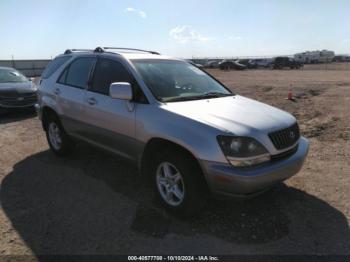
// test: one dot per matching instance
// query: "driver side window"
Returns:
(108, 71)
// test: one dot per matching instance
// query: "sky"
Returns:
(38, 29)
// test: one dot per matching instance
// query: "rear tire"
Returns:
(58, 140)
(178, 183)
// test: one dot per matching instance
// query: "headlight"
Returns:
(243, 151)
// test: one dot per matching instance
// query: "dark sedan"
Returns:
(16, 91)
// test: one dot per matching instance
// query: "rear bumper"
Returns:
(224, 179)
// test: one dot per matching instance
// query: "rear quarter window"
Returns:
(54, 65)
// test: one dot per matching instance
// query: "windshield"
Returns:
(171, 81)
(8, 75)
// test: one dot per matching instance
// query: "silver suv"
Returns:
(184, 129)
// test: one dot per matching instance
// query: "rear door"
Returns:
(111, 122)
(70, 91)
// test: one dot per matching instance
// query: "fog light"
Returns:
(240, 162)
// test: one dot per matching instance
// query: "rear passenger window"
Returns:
(107, 72)
(54, 65)
(77, 74)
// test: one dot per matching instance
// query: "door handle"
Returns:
(91, 101)
(57, 91)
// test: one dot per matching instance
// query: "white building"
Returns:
(311, 57)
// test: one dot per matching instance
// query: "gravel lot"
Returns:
(93, 203)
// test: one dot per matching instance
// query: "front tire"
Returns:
(178, 183)
(58, 140)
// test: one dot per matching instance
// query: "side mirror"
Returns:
(120, 90)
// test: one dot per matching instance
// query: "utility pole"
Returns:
(13, 62)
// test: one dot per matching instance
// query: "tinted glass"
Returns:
(9, 75)
(78, 72)
(54, 65)
(176, 80)
(63, 76)
(106, 72)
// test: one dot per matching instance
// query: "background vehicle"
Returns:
(227, 65)
(16, 91)
(262, 62)
(211, 64)
(283, 62)
(315, 57)
(249, 63)
(195, 64)
(184, 129)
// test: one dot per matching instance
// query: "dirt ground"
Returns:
(93, 203)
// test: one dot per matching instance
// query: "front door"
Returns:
(111, 122)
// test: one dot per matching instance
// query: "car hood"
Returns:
(234, 114)
(24, 87)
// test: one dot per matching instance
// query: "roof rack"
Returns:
(101, 50)
(98, 50)
(69, 51)
(132, 49)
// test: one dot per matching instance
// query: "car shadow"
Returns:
(16, 115)
(94, 203)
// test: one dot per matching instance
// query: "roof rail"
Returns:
(101, 50)
(98, 50)
(69, 51)
(132, 49)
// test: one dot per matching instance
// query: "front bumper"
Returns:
(224, 179)
(38, 110)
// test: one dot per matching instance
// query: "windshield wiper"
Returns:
(214, 94)
(197, 97)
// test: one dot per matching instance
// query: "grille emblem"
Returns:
(285, 137)
(291, 135)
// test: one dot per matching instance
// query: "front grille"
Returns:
(285, 138)
(25, 99)
(14, 94)
(8, 93)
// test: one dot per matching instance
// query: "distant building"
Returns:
(314, 57)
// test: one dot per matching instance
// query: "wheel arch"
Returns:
(46, 113)
(156, 144)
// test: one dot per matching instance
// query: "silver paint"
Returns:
(124, 127)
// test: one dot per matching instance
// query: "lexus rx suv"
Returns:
(187, 132)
